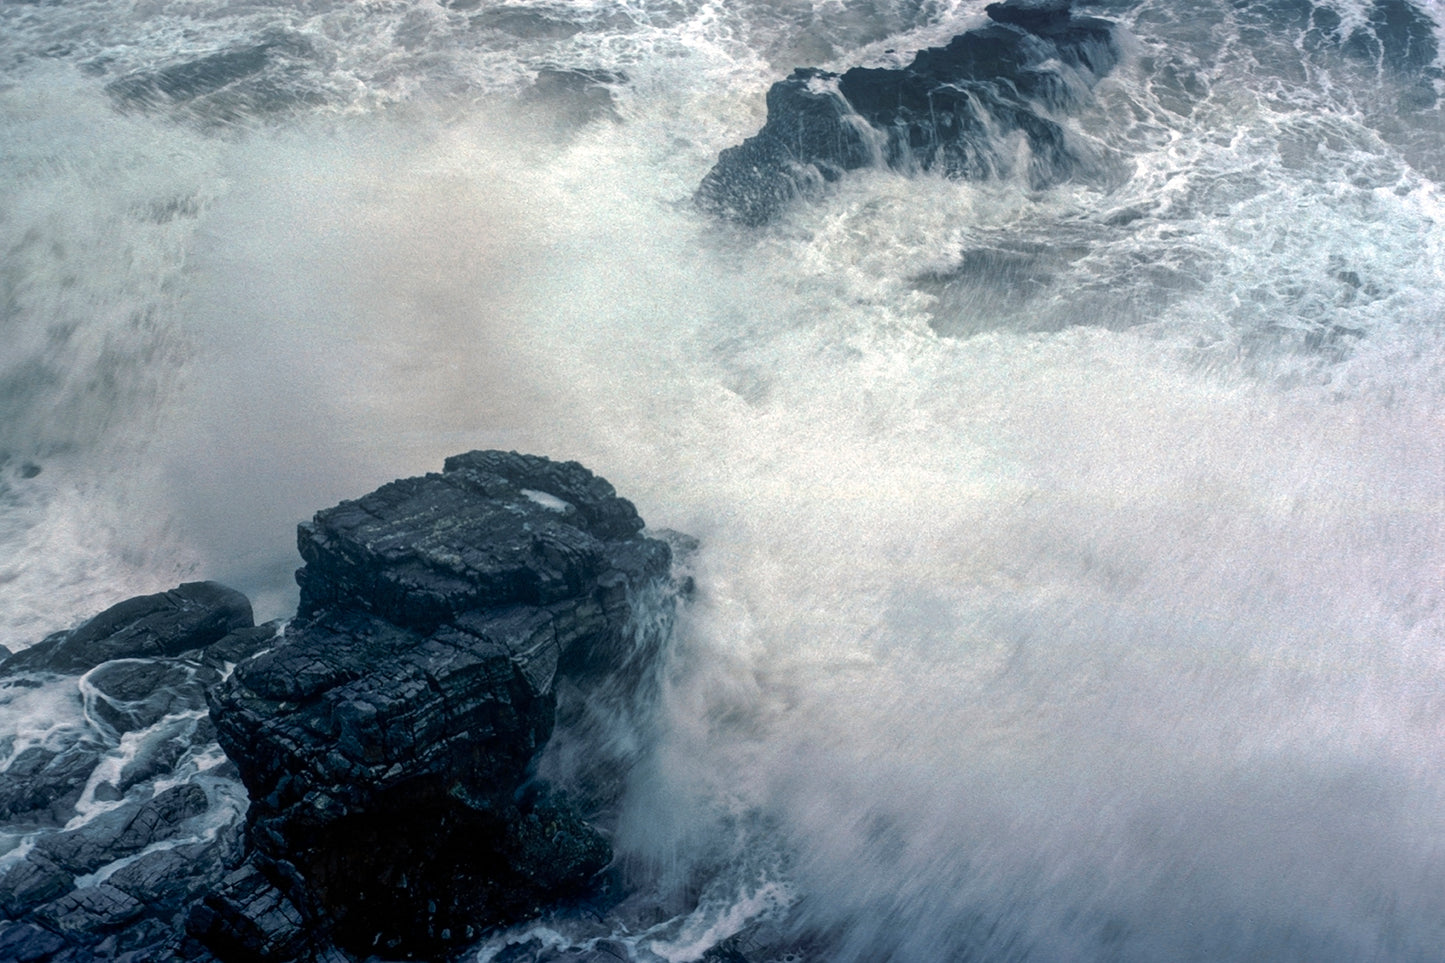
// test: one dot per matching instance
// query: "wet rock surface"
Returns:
(959, 110)
(116, 810)
(387, 736)
(189, 617)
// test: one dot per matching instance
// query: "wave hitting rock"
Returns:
(958, 110)
(386, 734)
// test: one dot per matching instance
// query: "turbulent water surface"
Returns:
(1072, 567)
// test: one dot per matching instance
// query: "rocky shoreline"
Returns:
(385, 736)
(988, 105)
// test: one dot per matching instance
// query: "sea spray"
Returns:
(1069, 570)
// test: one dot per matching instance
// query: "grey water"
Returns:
(1072, 561)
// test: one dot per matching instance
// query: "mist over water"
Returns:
(1072, 569)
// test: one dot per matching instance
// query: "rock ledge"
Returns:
(386, 737)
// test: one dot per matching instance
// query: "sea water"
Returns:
(1071, 580)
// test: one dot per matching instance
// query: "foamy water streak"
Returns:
(1071, 572)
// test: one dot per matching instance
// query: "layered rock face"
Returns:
(386, 737)
(117, 805)
(960, 110)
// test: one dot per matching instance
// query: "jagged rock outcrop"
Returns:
(120, 800)
(386, 737)
(960, 110)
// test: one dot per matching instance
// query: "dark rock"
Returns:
(137, 913)
(124, 831)
(421, 550)
(240, 644)
(157, 754)
(28, 943)
(137, 693)
(182, 620)
(480, 867)
(88, 915)
(42, 784)
(808, 140)
(249, 918)
(1035, 17)
(152, 656)
(165, 876)
(30, 882)
(147, 940)
(956, 110)
(387, 736)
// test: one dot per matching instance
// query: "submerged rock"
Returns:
(261, 77)
(386, 737)
(570, 98)
(960, 110)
